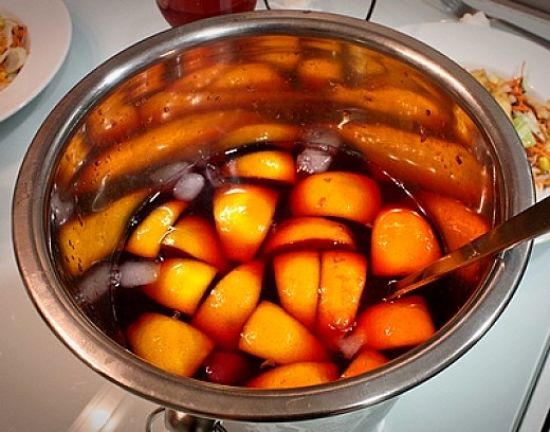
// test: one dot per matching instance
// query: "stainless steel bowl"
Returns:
(73, 324)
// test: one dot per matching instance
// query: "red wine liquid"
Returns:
(178, 12)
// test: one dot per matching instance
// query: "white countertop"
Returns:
(43, 387)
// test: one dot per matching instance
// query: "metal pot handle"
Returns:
(175, 421)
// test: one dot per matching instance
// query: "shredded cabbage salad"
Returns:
(13, 49)
(529, 115)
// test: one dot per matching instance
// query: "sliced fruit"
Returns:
(243, 215)
(146, 238)
(457, 224)
(85, 240)
(303, 231)
(73, 158)
(400, 324)
(226, 367)
(431, 163)
(266, 164)
(297, 278)
(113, 120)
(278, 50)
(146, 82)
(343, 277)
(293, 375)
(250, 76)
(320, 72)
(168, 343)
(366, 360)
(195, 236)
(273, 334)
(181, 284)
(179, 139)
(258, 133)
(224, 312)
(402, 242)
(337, 193)
(199, 78)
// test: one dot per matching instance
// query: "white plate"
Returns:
(474, 46)
(49, 26)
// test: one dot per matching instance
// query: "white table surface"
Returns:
(43, 387)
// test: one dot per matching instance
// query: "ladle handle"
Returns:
(524, 226)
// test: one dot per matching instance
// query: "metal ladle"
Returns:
(530, 223)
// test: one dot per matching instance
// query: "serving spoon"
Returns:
(530, 223)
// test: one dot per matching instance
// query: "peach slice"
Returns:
(281, 51)
(196, 237)
(250, 76)
(85, 240)
(112, 120)
(168, 343)
(180, 138)
(343, 277)
(181, 284)
(266, 164)
(402, 242)
(73, 158)
(199, 78)
(400, 324)
(224, 312)
(146, 238)
(458, 225)
(341, 194)
(319, 72)
(297, 279)
(294, 375)
(258, 133)
(273, 334)
(243, 215)
(366, 360)
(431, 163)
(316, 231)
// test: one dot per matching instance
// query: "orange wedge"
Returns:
(307, 231)
(250, 77)
(319, 72)
(343, 277)
(400, 324)
(243, 215)
(266, 164)
(339, 194)
(366, 360)
(402, 242)
(196, 237)
(146, 238)
(294, 375)
(297, 279)
(273, 334)
(168, 343)
(181, 284)
(224, 312)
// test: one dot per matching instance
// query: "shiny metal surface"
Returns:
(30, 218)
(524, 226)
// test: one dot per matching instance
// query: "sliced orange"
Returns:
(273, 334)
(297, 279)
(402, 242)
(146, 238)
(168, 343)
(250, 77)
(303, 231)
(195, 236)
(400, 324)
(266, 164)
(243, 216)
(343, 277)
(337, 193)
(224, 312)
(181, 284)
(320, 72)
(366, 360)
(294, 375)
(258, 133)
(85, 240)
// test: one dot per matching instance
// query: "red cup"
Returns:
(178, 12)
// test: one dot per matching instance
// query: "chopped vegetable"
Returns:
(13, 49)
(529, 115)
